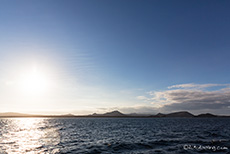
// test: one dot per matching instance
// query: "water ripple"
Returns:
(118, 135)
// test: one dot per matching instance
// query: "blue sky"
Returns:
(102, 55)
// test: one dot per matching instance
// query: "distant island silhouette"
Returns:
(114, 114)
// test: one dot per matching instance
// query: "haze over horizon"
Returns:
(86, 56)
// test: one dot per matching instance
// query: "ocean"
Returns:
(114, 135)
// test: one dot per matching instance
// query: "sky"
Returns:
(86, 56)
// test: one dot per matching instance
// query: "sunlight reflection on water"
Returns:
(26, 135)
(112, 135)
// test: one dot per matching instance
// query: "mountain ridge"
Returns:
(116, 113)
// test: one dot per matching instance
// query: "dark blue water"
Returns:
(114, 135)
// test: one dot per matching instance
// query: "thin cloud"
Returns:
(142, 98)
(195, 98)
(197, 86)
(191, 97)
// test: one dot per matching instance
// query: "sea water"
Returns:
(114, 135)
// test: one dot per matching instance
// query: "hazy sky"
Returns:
(84, 56)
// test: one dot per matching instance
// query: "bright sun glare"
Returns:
(34, 82)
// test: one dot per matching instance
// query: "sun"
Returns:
(33, 82)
